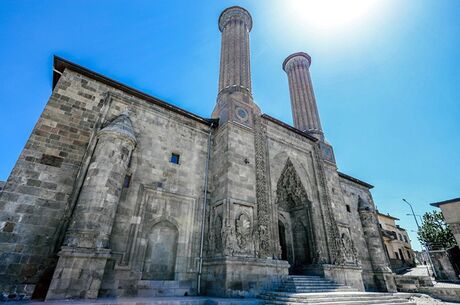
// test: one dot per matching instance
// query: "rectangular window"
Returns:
(127, 181)
(174, 158)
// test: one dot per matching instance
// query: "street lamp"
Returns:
(424, 243)
(417, 216)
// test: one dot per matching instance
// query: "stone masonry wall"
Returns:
(35, 200)
(350, 192)
(161, 197)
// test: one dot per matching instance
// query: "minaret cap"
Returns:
(235, 12)
(298, 54)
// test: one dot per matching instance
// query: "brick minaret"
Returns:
(304, 109)
(234, 99)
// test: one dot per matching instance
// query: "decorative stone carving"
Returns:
(264, 209)
(243, 230)
(332, 230)
(293, 200)
(217, 234)
(349, 249)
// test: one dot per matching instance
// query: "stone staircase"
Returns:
(297, 290)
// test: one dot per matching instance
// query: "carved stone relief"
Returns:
(264, 209)
(348, 247)
(243, 227)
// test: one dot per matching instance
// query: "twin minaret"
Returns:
(234, 100)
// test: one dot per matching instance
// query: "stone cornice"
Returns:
(299, 58)
(236, 13)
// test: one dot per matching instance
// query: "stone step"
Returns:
(311, 289)
(336, 299)
(357, 298)
(329, 295)
(310, 284)
(376, 302)
(306, 281)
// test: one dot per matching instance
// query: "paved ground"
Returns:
(420, 270)
(426, 300)
(148, 301)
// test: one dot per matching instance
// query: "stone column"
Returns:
(303, 102)
(383, 275)
(234, 99)
(85, 249)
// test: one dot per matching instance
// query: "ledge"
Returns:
(357, 181)
(293, 129)
(60, 64)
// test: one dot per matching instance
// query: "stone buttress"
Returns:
(85, 250)
(383, 276)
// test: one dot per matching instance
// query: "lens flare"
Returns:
(330, 13)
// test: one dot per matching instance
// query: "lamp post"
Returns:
(424, 243)
(416, 215)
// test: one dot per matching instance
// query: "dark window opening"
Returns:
(127, 181)
(174, 158)
(348, 209)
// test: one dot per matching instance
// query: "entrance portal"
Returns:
(294, 221)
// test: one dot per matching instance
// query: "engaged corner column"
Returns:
(380, 265)
(85, 250)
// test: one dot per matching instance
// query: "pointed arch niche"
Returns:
(160, 257)
(295, 226)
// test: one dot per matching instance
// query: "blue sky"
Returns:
(386, 82)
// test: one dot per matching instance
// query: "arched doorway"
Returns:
(283, 243)
(160, 257)
(294, 207)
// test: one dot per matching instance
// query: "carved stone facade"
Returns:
(110, 193)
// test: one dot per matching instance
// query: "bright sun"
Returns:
(330, 13)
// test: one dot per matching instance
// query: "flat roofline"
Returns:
(287, 126)
(60, 64)
(355, 180)
(388, 216)
(437, 204)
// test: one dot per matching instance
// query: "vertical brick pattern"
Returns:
(304, 108)
(235, 24)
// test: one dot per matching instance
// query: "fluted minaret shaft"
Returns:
(235, 23)
(304, 108)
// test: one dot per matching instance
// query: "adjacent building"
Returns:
(397, 243)
(451, 212)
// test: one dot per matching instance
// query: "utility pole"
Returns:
(424, 243)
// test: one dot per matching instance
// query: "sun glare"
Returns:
(330, 13)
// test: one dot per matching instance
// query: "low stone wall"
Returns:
(412, 283)
(449, 294)
(424, 284)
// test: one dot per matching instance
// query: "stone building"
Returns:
(397, 243)
(451, 212)
(119, 193)
(446, 261)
